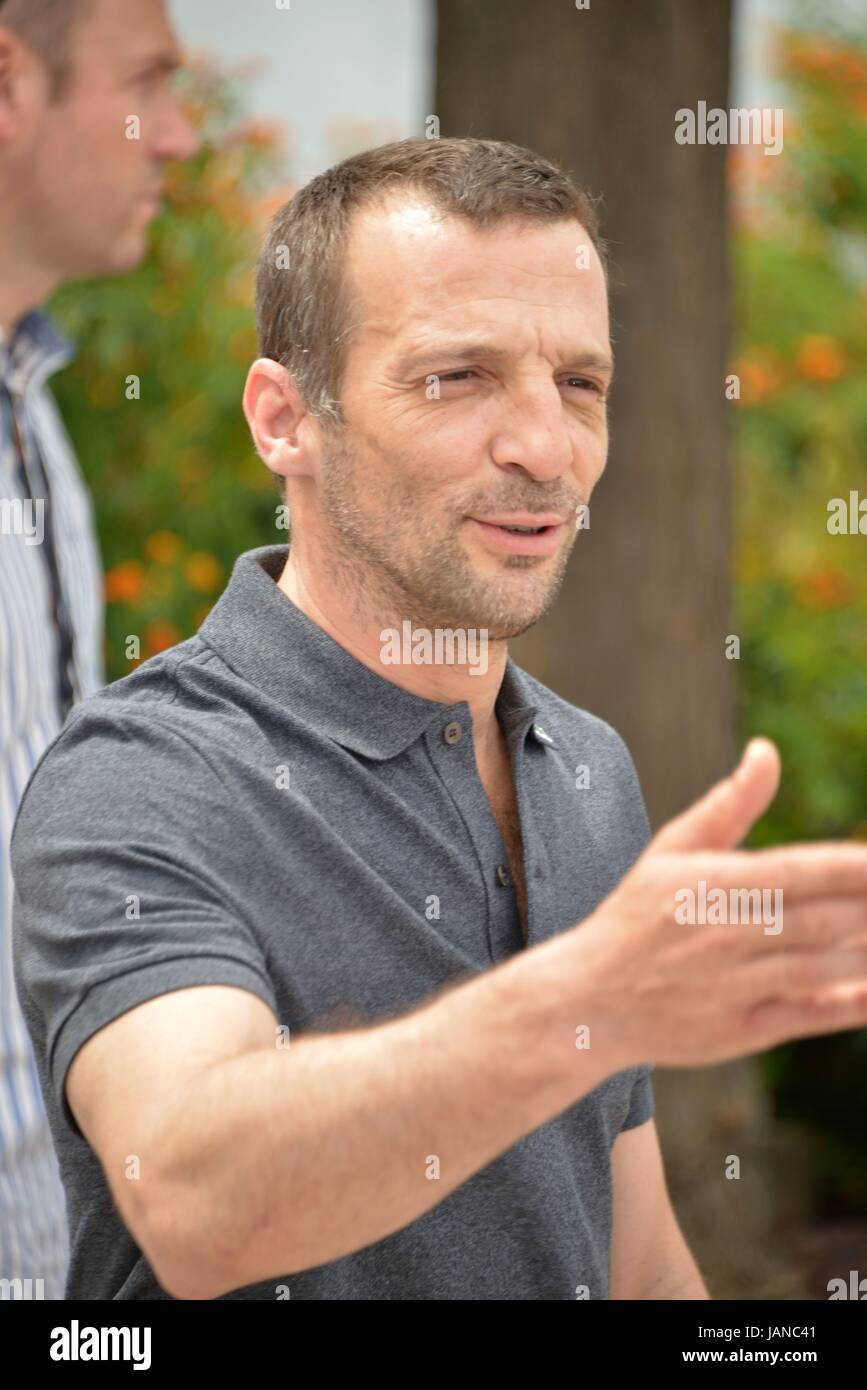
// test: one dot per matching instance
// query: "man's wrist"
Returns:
(563, 1045)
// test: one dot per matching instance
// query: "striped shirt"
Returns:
(51, 614)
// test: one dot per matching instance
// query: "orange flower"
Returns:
(160, 635)
(759, 376)
(825, 588)
(259, 133)
(820, 358)
(125, 582)
(823, 57)
(203, 572)
(163, 546)
(274, 201)
(852, 67)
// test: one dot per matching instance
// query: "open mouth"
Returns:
(528, 540)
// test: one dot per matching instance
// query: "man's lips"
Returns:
(522, 519)
(543, 542)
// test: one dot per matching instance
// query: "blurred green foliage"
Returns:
(800, 592)
(178, 489)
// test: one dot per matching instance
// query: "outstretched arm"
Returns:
(649, 1256)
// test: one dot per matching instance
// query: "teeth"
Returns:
(525, 530)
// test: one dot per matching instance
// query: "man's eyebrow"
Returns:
(163, 60)
(467, 349)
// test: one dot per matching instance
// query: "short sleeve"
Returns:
(629, 804)
(121, 887)
(642, 1106)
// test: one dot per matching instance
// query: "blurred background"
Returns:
(739, 298)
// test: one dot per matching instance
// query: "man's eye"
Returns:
(466, 372)
(151, 77)
(583, 381)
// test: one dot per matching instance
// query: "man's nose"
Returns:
(535, 436)
(177, 138)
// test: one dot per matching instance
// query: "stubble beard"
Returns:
(388, 569)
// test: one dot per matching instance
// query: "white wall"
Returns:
(327, 62)
(323, 62)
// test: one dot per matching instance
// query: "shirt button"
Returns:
(453, 732)
(503, 875)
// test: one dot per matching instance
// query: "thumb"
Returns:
(721, 818)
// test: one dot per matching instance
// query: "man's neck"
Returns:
(23, 284)
(324, 604)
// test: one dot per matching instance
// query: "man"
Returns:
(343, 985)
(76, 197)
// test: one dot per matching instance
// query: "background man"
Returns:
(76, 198)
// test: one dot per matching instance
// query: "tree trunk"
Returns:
(638, 634)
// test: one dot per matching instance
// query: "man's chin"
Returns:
(131, 251)
(123, 255)
(515, 627)
(506, 624)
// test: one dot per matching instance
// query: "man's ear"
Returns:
(286, 435)
(23, 85)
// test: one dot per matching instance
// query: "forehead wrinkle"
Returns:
(380, 325)
(457, 347)
(432, 292)
(409, 244)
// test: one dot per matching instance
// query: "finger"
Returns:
(829, 870)
(792, 976)
(814, 927)
(831, 1010)
(822, 924)
(721, 818)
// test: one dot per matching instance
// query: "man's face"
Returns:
(85, 191)
(518, 426)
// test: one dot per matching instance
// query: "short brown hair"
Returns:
(302, 308)
(48, 27)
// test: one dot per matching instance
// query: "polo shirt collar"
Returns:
(33, 351)
(267, 640)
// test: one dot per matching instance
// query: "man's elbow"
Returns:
(179, 1248)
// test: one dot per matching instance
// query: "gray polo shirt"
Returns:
(255, 807)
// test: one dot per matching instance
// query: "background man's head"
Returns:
(393, 443)
(77, 191)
